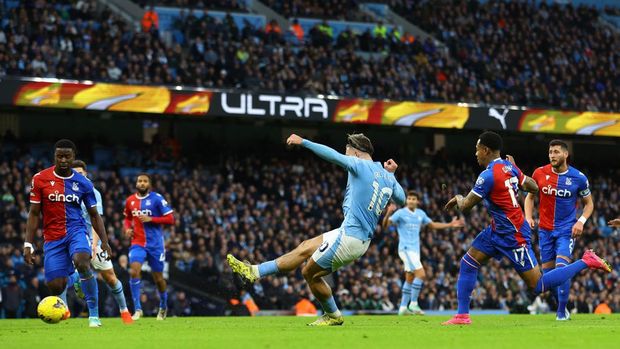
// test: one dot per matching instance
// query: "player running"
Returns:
(369, 188)
(408, 221)
(100, 260)
(58, 193)
(509, 233)
(561, 185)
(145, 213)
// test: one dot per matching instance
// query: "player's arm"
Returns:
(323, 152)
(465, 204)
(32, 224)
(529, 185)
(388, 213)
(99, 228)
(167, 219)
(127, 223)
(455, 223)
(529, 209)
(588, 208)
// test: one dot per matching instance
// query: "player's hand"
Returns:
(451, 204)
(391, 208)
(531, 222)
(615, 223)
(28, 256)
(145, 219)
(390, 166)
(511, 159)
(577, 230)
(294, 140)
(129, 233)
(108, 251)
(457, 222)
(93, 249)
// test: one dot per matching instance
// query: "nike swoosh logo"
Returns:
(104, 104)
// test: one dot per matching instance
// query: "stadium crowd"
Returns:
(492, 58)
(261, 207)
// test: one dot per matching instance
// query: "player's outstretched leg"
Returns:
(558, 276)
(283, 264)
(466, 282)
(313, 273)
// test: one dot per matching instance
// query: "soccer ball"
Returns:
(51, 310)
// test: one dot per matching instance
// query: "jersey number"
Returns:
(379, 198)
(511, 184)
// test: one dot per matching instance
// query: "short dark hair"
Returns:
(558, 142)
(65, 144)
(145, 175)
(360, 142)
(79, 164)
(413, 193)
(491, 140)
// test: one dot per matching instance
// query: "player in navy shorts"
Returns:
(560, 186)
(145, 213)
(58, 193)
(509, 233)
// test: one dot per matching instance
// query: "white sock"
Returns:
(254, 269)
(335, 314)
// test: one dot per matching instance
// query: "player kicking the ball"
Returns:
(370, 187)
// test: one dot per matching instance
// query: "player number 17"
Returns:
(511, 184)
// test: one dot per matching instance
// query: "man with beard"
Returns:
(145, 213)
(560, 186)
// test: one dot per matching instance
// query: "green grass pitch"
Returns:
(424, 332)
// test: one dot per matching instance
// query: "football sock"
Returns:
(563, 289)
(406, 297)
(267, 268)
(415, 289)
(117, 293)
(63, 296)
(135, 286)
(163, 300)
(329, 307)
(468, 275)
(91, 292)
(558, 276)
(554, 290)
(73, 278)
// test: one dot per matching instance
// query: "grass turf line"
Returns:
(512, 331)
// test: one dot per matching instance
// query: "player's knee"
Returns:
(305, 249)
(134, 273)
(81, 265)
(110, 278)
(307, 273)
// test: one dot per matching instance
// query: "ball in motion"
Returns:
(51, 309)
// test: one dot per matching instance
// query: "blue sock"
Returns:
(73, 278)
(406, 298)
(329, 305)
(63, 296)
(563, 290)
(468, 275)
(163, 300)
(267, 268)
(91, 292)
(554, 291)
(416, 288)
(557, 277)
(135, 285)
(119, 296)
